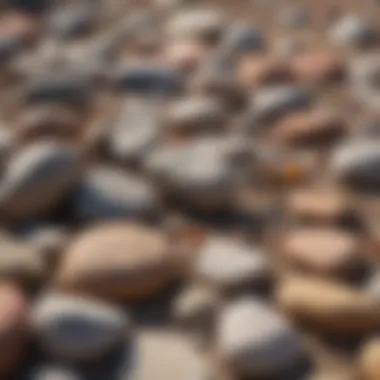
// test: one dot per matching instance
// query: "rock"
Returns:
(323, 250)
(369, 360)
(107, 193)
(310, 128)
(8, 143)
(317, 67)
(52, 372)
(136, 132)
(149, 79)
(256, 341)
(140, 264)
(353, 31)
(20, 262)
(256, 71)
(318, 205)
(199, 23)
(195, 305)
(272, 103)
(165, 354)
(49, 121)
(242, 38)
(288, 47)
(332, 308)
(372, 287)
(357, 162)
(13, 327)
(228, 264)
(76, 329)
(72, 21)
(37, 178)
(196, 114)
(185, 55)
(294, 17)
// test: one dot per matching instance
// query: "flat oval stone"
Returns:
(318, 205)
(357, 162)
(196, 114)
(228, 263)
(332, 308)
(107, 193)
(139, 265)
(353, 31)
(37, 178)
(369, 360)
(256, 341)
(311, 128)
(323, 250)
(149, 79)
(74, 328)
(13, 327)
(317, 67)
(199, 23)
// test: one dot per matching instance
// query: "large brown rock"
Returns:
(332, 308)
(118, 261)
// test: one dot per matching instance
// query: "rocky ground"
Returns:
(190, 190)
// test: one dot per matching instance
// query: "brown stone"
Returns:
(118, 261)
(257, 70)
(318, 205)
(369, 360)
(326, 251)
(327, 306)
(309, 128)
(317, 67)
(13, 326)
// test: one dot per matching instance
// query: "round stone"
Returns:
(200, 23)
(357, 162)
(317, 67)
(118, 261)
(256, 341)
(259, 70)
(318, 205)
(369, 360)
(227, 263)
(13, 327)
(353, 31)
(37, 178)
(311, 127)
(327, 306)
(196, 114)
(323, 250)
(106, 193)
(74, 328)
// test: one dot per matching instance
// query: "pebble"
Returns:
(325, 251)
(357, 162)
(329, 307)
(353, 31)
(165, 354)
(272, 103)
(228, 264)
(294, 17)
(318, 67)
(149, 79)
(322, 206)
(195, 305)
(107, 193)
(310, 128)
(372, 287)
(369, 360)
(13, 327)
(52, 372)
(256, 341)
(196, 114)
(139, 265)
(198, 23)
(37, 178)
(77, 329)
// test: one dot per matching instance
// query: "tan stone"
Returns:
(327, 306)
(369, 360)
(118, 261)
